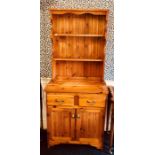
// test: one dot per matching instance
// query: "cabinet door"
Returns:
(61, 124)
(89, 124)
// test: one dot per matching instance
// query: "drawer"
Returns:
(60, 99)
(95, 100)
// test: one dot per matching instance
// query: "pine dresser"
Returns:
(77, 94)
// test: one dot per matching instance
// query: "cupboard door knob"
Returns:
(73, 115)
(59, 101)
(78, 116)
(91, 101)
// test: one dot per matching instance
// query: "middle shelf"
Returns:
(73, 59)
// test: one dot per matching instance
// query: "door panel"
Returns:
(61, 124)
(89, 124)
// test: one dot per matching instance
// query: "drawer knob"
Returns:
(91, 101)
(59, 101)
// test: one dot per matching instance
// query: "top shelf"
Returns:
(78, 35)
(79, 11)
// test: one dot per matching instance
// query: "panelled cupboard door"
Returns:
(90, 123)
(61, 124)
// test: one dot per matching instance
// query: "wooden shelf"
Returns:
(78, 35)
(70, 59)
(78, 44)
(79, 11)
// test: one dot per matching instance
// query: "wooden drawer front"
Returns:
(60, 99)
(95, 100)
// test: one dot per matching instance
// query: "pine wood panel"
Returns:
(81, 24)
(79, 69)
(93, 100)
(72, 59)
(89, 86)
(53, 63)
(60, 99)
(90, 124)
(79, 11)
(75, 47)
(61, 124)
(78, 35)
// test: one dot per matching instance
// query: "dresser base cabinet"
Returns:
(69, 125)
(76, 118)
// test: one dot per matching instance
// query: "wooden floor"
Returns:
(65, 149)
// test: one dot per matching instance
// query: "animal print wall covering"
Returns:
(45, 28)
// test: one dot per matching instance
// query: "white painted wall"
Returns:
(44, 82)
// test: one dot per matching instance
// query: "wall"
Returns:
(45, 27)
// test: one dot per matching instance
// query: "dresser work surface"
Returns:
(77, 86)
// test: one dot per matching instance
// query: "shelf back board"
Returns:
(75, 47)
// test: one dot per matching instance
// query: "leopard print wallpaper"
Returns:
(45, 28)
